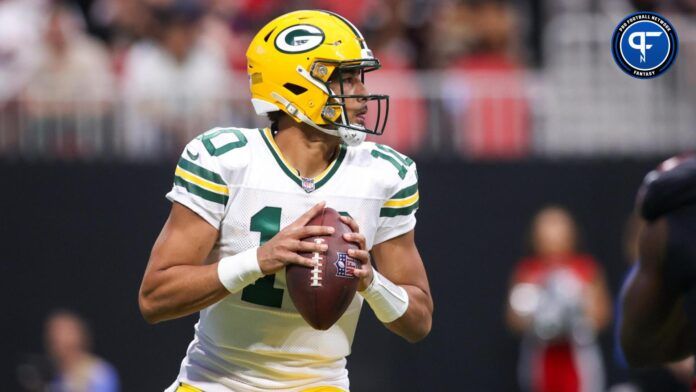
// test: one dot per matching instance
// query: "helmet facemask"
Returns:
(335, 112)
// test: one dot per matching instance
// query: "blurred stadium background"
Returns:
(507, 106)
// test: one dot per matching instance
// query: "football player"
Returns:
(655, 326)
(241, 200)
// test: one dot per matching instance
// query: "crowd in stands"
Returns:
(139, 78)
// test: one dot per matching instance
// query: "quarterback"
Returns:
(241, 200)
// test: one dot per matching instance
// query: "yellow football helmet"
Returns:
(291, 61)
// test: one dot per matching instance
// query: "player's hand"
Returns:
(365, 273)
(284, 247)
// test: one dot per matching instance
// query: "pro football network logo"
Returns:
(345, 265)
(644, 45)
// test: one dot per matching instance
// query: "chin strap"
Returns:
(350, 137)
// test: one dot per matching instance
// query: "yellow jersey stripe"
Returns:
(187, 388)
(325, 389)
(201, 182)
(397, 203)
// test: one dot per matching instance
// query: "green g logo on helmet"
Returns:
(299, 39)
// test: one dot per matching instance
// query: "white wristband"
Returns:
(387, 300)
(238, 271)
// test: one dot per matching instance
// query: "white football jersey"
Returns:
(239, 182)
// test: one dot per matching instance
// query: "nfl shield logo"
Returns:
(308, 184)
(345, 265)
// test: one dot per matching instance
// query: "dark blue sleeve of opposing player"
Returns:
(619, 357)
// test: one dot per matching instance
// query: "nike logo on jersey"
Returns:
(194, 157)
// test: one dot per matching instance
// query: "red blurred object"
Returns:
(559, 372)
(493, 119)
(407, 122)
(535, 270)
(355, 11)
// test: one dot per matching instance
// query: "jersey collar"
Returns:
(308, 184)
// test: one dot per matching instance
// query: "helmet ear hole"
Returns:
(331, 112)
(295, 89)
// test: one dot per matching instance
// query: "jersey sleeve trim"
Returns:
(392, 212)
(211, 186)
(200, 192)
(403, 202)
(408, 191)
(201, 182)
(200, 172)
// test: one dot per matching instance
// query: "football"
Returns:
(322, 294)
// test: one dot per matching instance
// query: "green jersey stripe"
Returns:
(200, 192)
(341, 154)
(392, 212)
(200, 172)
(287, 171)
(406, 192)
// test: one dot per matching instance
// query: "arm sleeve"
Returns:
(398, 213)
(198, 183)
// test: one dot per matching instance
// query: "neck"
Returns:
(71, 361)
(556, 257)
(308, 150)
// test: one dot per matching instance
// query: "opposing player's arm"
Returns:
(399, 261)
(176, 282)
(654, 328)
